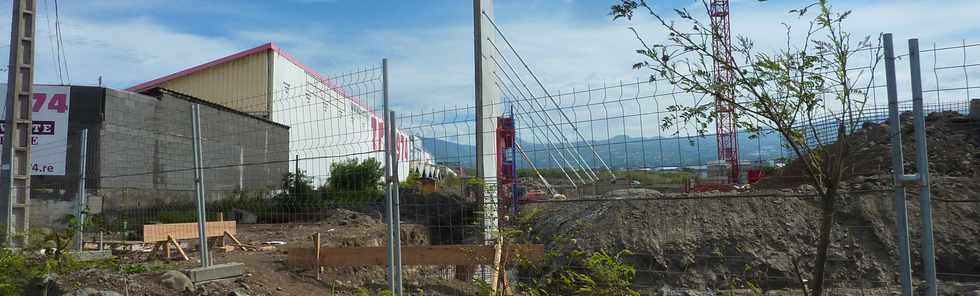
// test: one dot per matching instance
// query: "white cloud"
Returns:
(124, 51)
(432, 66)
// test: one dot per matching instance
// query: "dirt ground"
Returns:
(266, 272)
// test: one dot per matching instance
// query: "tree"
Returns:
(355, 180)
(785, 90)
(297, 185)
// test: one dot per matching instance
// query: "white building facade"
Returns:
(328, 122)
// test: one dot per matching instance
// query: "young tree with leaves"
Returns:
(784, 90)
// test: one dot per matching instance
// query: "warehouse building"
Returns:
(328, 122)
(139, 151)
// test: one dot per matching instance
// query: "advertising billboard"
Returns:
(49, 134)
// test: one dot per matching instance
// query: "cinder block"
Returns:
(216, 272)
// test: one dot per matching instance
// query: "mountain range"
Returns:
(621, 152)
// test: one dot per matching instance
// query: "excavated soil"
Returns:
(702, 241)
(266, 272)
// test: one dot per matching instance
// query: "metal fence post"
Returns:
(296, 176)
(387, 178)
(922, 165)
(901, 212)
(82, 198)
(199, 184)
(395, 211)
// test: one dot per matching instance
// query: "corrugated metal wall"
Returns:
(241, 84)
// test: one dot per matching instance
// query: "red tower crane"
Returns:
(724, 107)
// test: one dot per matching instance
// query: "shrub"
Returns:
(596, 273)
(355, 181)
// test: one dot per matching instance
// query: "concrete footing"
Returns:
(216, 272)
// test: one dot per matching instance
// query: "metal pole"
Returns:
(389, 213)
(395, 211)
(513, 159)
(15, 175)
(296, 176)
(895, 128)
(922, 163)
(199, 184)
(82, 197)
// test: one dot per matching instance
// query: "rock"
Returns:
(84, 292)
(238, 292)
(176, 280)
(244, 217)
(92, 292)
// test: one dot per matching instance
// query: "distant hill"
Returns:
(624, 152)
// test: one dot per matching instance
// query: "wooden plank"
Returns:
(179, 249)
(498, 251)
(159, 232)
(316, 252)
(233, 238)
(412, 255)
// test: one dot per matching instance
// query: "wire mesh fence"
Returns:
(596, 178)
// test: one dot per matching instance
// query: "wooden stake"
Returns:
(221, 218)
(497, 254)
(506, 284)
(316, 250)
(179, 249)
(166, 251)
(235, 240)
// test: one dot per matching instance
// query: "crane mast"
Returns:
(724, 99)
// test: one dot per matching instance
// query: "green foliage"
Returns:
(785, 90)
(596, 273)
(459, 185)
(297, 186)
(355, 175)
(411, 181)
(16, 270)
(355, 181)
(367, 292)
(44, 253)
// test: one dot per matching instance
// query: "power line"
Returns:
(55, 57)
(548, 95)
(61, 43)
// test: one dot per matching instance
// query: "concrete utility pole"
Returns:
(487, 109)
(15, 170)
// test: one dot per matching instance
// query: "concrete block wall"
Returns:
(147, 147)
(140, 154)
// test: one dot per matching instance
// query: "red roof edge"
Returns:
(201, 67)
(268, 46)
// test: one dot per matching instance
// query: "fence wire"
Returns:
(599, 181)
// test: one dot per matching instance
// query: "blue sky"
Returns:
(429, 43)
